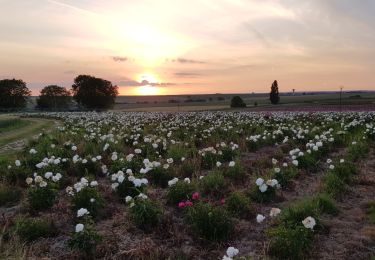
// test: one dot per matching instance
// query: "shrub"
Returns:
(214, 184)
(333, 184)
(127, 188)
(85, 241)
(9, 195)
(237, 101)
(237, 172)
(179, 192)
(239, 205)
(356, 151)
(90, 199)
(285, 175)
(145, 214)
(290, 243)
(41, 198)
(30, 229)
(262, 197)
(160, 176)
(212, 223)
(176, 152)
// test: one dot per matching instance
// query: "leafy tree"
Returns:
(13, 93)
(94, 93)
(274, 95)
(54, 97)
(237, 102)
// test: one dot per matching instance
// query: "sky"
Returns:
(190, 47)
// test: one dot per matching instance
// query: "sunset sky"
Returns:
(190, 46)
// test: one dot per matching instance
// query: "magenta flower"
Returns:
(195, 196)
(181, 204)
(188, 203)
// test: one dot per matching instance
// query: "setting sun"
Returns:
(148, 90)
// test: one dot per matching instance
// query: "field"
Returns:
(192, 185)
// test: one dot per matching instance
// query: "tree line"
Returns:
(89, 92)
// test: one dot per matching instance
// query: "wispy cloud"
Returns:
(119, 58)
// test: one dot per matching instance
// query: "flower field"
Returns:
(194, 185)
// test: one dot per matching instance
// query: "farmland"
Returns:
(192, 185)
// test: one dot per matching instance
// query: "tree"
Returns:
(94, 93)
(274, 95)
(237, 102)
(13, 94)
(54, 97)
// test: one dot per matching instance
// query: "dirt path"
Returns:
(351, 235)
(15, 140)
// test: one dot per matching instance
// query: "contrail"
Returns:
(73, 7)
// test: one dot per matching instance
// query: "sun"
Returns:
(148, 90)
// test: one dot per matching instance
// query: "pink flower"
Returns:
(222, 201)
(188, 203)
(181, 204)
(195, 196)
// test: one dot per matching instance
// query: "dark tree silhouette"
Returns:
(237, 102)
(94, 93)
(274, 94)
(54, 98)
(13, 94)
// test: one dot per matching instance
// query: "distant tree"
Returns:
(13, 93)
(274, 94)
(54, 98)
(94, 93)
(237, 102)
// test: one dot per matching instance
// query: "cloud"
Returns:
(187, 74)
(133, 83)
(119, 58)
(191, 61)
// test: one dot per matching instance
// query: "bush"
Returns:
(262, 197)
(41, 198)
(9, 196)
(290, 243)
(85, 241)
(239, 205)
(212, 223)
(90, 199)
(285, 175)
(31, 229)
(237, 101)
(145, 214)
(179, 192)
(213, 184)
(333, 184)
(237, 172)
(127, 188)
(160, 176)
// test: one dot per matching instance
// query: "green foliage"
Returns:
(214, 184)
(333, 184)
(145, 214)
(274, 94)
(262, 197)
(83, 199)
(13, 94)
(285, 175)
(179, 192)
(239, 205)
(85, 241)
(31, 229)
(160, 176)
(54, 98)
(94, 93)
(41, 198)
(212, 223)
(237, 172)
(9, 195)
(237, 101)
(357, 151)
(176, 152)
(290, 243)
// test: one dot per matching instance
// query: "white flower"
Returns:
(295, 162)
(172, 182)
(259, 181)
(274, 161)
(48, 175)
(32, 151)
(42, 184)
(92, 200)
(332, 167)
(232, 163)
(274, 212)
(342, 160)
(138, 151)
(260, 218)
(114, 156)
(81, 212)
(329, 161)
(29, 180)
(93, 183)
(79, 227)
(263, 187)
(170, 160)
(17, 163)
(232, 252)
(74, 148)
(277, 170)
(187, 180)
(218, 164)
(309, 222)
(128, 199)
